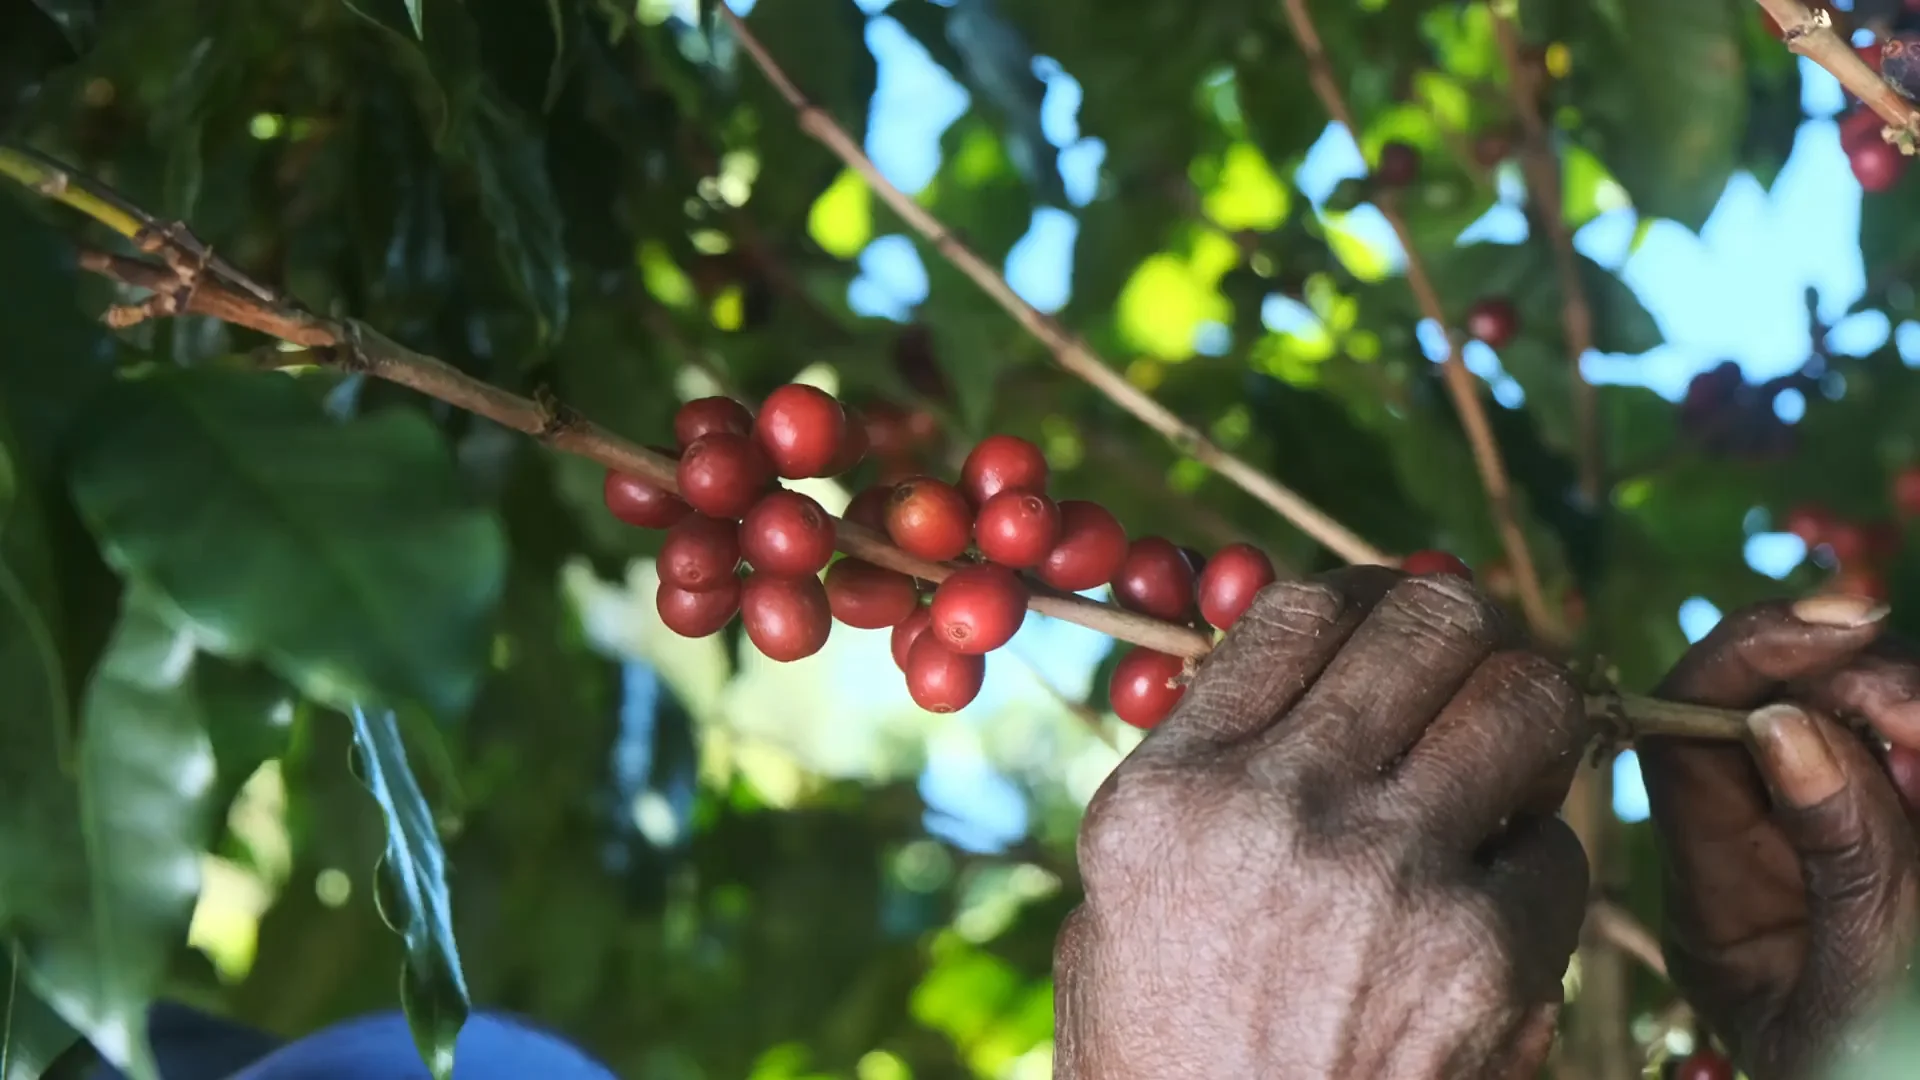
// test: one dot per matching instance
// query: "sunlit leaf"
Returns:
(841, 220)
(344, 555)
(415, 901)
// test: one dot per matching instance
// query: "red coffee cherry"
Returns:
(1906, 491)
(697, 614)
(1848, 542)
(869, 508)
(886, 425)
(1091, 547)
(1017, 528)
(1878, 166)
(853, 447)
(700, 553)
(801, 429)
(869, 597)
(722, 474)
(1228, 584)
(1156, 579)
(786, 618)
(978, 609)
(787, 533)
(1000, 462)
(1704, 1065)
(642, 503)
(1860, 127)
(1399, 165)
(1493, 320)
(906, 633)
(704, 416)
(929, 518)
(1810, 522)
(940, 680)
(1145, 687)
(1435, 562)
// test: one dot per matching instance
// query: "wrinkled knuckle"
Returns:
(1127, 823)
(1447, 607)
(1296, 607)
(1538, 688)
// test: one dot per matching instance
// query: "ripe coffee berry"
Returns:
(801, 428)
(1000, 462)
(929, 518)
(978, 609)
(869, 597)
(940, 680)
(787, 533)
(869, 508)
(1906, 491)
(1493, 320)
(1878, 166)
(906, 633)
(1435, 562)
(700, 553)
(722, 474)
(853, 447)
(1704, 1065)
(1091, 547)
(1860, 127)
(704, 416)
(1399, 164)
(697, 614)
(1847, 541)
(641, 503)
(1156, 579)
(1810, 522)
(1227, 586)
(786, 618)
(1145, 687)
(1017, 528)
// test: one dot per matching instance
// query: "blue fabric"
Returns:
(192, 1045)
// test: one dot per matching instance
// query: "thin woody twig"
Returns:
(1813, 36)
(1619, 928)
(1461, 384)
(352, 346)
(1541, 166)
(1068, 350)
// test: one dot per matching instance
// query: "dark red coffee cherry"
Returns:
(787, 533)
(1017, 528)
(1146, 686)
(869, 508)
(722, 474)
(1704, 1064)
(801, 428)
(697, 614)
(1000, 462)
(1091, 547)
(1399, 165)
(853, 448)
(869, 597)
(941, 680)
(1878, 166)
(978, 609)
(1810, 522)
(786, 618)
(906, 633)
(1156, 579)
(929, 518)
(704, 416)
(1229, 583)
(1493, 320)
(642, 503)
(700, 553)
(1435, 562)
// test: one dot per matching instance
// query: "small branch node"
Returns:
(557, 418)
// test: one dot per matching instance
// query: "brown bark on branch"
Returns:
(352, 346)
(1813, 36)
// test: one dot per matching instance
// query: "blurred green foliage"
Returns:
(698, 866)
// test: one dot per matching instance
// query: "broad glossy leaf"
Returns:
(344, 555)
(517, 197)
(414, 16)
(415, 900)
(54, 356)
(139, 824)
(32, 1035)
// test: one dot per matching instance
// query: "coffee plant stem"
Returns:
(350, 346)
(1814, 37)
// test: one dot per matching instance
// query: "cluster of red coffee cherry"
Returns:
(998, 522)
(1859, 550)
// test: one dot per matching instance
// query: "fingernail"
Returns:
(1839, 609)
(1800, 767)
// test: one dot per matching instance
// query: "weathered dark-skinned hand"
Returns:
(1338, 857)
(1790, 865)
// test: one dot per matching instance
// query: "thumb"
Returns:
(1858, 861)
